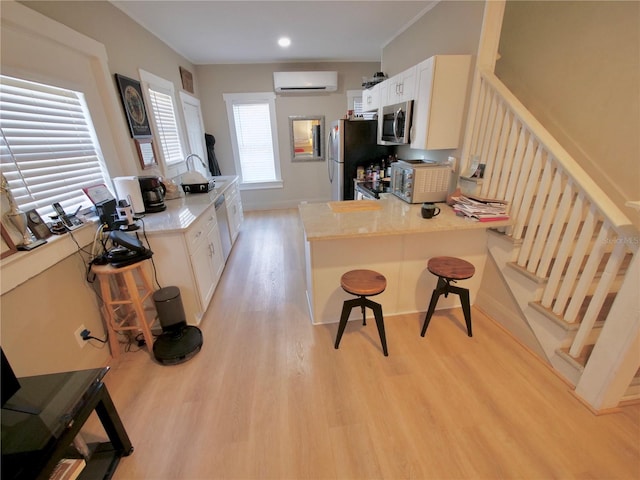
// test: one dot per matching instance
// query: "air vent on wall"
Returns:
(297, 82)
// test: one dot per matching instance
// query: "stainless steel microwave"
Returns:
(396, 123)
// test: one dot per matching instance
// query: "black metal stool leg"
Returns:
(364, 315)
(377, 312)
(463, 293)
(344, 317)
(441, 288)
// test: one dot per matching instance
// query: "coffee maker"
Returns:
(153, 192)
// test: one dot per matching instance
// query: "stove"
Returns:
(372, 190)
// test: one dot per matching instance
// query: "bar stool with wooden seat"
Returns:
(123, 300)
(449, 269)
(363, 283)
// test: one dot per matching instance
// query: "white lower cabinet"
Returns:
(192, 261)
(208, 262)
(234, 210)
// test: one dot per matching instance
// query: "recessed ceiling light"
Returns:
(284, 42)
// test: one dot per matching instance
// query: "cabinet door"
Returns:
(422, 104)
(204, 273)
(217, 255)
(401, 87)
(201, 241)
(234, 211)
(371, 99)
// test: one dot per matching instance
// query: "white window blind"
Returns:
(48, 147)
(166, 125)
(255, 146)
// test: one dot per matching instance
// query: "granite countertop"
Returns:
(182, 212)
(387, 216)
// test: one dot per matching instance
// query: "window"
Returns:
(254, 139)
(162, 112)
(354, 101)
(48, 147)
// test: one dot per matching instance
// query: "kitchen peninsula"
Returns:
(188, 238)
(391, 237)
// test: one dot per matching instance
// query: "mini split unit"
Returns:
(296, 82)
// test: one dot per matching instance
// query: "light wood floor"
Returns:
(269, 397)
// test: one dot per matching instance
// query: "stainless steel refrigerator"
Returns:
(351, 143)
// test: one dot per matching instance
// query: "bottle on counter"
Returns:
(369, 173)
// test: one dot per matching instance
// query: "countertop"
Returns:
(182, 212)
(387, 216)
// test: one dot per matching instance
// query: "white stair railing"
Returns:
(567, 225)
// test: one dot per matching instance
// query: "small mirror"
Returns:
(306, 132)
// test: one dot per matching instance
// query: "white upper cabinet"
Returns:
(401, 87)
(438, 109)
(371, 99)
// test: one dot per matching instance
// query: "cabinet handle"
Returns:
(198, 234)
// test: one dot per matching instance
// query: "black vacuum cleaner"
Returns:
(178, 342)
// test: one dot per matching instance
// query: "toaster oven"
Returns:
(416, 181)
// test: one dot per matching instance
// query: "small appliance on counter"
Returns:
(417, 181)
(128, 188)
(153, 192)
(194, 181)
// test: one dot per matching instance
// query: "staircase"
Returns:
(570, 259)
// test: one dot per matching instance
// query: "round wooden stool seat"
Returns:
(448, 270)
(451, 267)
(363, 282)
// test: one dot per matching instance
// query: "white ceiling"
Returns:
(239, 31)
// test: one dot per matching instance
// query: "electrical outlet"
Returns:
(78, 336)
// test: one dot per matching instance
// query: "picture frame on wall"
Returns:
(146, 152)
(187, 79)
(133, 103)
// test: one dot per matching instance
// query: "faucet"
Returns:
(189, 162)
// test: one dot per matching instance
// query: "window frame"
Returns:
(151, 81)
(268, 98)
(30, 183)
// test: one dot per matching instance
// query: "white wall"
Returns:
(302, 180)
(576, 67)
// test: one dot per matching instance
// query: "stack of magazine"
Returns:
(480, 209)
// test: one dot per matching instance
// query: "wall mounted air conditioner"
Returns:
(295, 82)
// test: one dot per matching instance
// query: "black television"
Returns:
(9, 383)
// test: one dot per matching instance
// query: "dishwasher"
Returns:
(223, 226)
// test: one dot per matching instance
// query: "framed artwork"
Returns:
(133, 103)
(8, 247)
(187, 79)
(146, 152)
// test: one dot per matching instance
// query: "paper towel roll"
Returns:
(128, 188)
